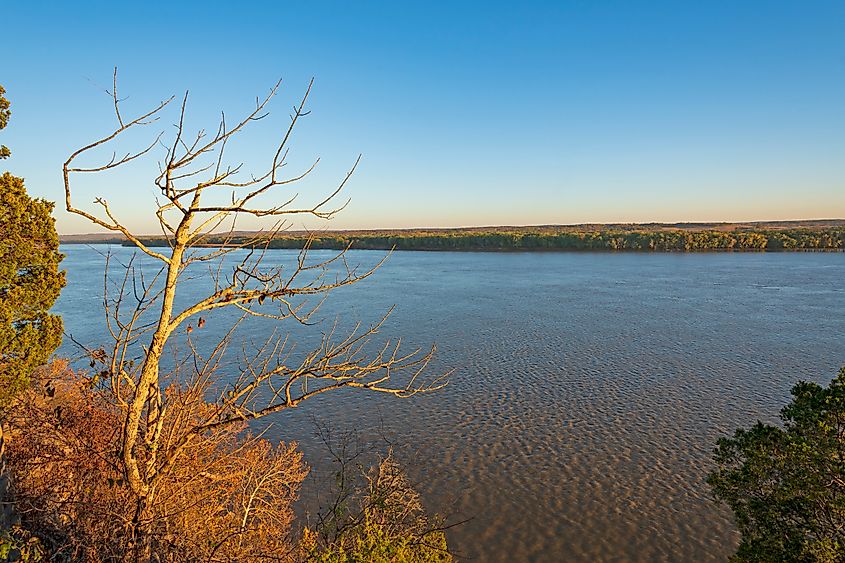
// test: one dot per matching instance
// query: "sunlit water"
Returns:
(588, 389)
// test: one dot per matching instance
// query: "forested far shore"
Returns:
(550, 239)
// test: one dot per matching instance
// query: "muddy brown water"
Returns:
(588, 389)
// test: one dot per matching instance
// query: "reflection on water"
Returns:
(589, 388)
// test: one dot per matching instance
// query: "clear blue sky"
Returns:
(467, 113)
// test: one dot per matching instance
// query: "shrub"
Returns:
(389, 524)
(229, 497)
(786, 486)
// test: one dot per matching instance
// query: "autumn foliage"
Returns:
(229, 497)
(151, 459)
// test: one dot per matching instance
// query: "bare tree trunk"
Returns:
(266, 383)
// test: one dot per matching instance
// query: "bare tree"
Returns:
(142, 313)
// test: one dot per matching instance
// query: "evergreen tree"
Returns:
(30, 280)
(5, 114)
(786, 484)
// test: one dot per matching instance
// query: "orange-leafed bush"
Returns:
(227, 495)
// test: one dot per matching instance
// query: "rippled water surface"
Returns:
(588, 389)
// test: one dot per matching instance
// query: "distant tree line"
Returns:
(643, 241)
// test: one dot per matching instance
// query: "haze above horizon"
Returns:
(479, 114)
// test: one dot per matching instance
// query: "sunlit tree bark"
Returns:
(192, 173)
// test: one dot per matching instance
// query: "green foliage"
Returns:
(600, 240)
(786, 486)
(29, 284)
(5, 114)
(29, 279)
(372, 542)
(385, 522)
(16, 544)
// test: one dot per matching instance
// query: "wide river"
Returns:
(588, 389)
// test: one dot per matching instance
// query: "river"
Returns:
(587, 392)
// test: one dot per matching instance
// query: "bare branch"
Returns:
(166, 406)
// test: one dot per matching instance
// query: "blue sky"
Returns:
(466, 113)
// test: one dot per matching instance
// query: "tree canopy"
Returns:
(786, 486)
(5, 114)
(553, 238)
(30, 280)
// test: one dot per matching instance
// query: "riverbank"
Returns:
(825, 235)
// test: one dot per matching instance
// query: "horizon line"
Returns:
(502, 226)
